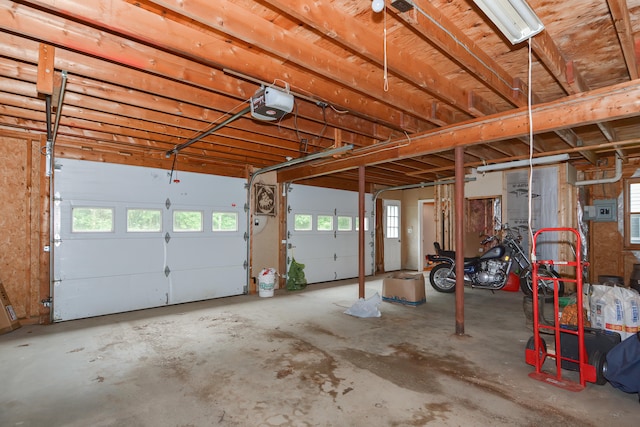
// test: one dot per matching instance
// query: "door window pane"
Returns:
(344, 223)
(393, 222)
(224, 221)
(302, 222)
(325, 222)
(144, 220)
(91, 220)
(634, 228)
(187, 221)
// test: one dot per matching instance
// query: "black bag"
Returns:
(623, 365)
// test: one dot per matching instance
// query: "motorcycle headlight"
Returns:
(506, 257)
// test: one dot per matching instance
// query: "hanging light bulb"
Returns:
(377, 5)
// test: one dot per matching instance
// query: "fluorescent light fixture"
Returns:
(514, 18)
(522, 163)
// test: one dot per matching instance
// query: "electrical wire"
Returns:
(384, 47)
(459, 43)
(530, 195)
(324, 117)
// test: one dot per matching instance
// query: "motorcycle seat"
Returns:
(440, 253)
(443, 253)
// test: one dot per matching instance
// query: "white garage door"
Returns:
(323, 232)
(127, 238)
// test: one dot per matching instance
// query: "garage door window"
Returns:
(144, 220)
(224, 221)
(302, 222)
(325, 223)
(92, 220)
(366, 224)
(345, 223)
(187, 221)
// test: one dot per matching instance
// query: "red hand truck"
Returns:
(536, 351)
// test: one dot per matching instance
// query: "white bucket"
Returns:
(266, 282)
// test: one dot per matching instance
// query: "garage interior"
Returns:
(282, 127)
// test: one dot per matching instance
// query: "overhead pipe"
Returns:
(272, 168)
(614, 178)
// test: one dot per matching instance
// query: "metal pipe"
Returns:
(63, 87)
(459, 198)
(271, 168)
(179, 147)
(47, 106)
(47, 148)
(614, 178)
(361, 246)
(53, 134)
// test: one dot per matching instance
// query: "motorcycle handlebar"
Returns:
(488, 239)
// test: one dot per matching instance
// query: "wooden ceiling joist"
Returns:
(144, 76)
(612, 103)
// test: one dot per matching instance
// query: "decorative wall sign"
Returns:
(265, 199)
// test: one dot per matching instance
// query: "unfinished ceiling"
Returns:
(143, 77)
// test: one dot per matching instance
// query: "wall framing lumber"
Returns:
(24, 225)
(46, 59)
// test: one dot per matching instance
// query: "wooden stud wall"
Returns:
(24, 226)
(607, 254)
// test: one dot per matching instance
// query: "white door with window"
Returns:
(128, 238)
(322, 233)
(391, 229)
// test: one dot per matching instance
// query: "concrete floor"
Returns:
(294, 360)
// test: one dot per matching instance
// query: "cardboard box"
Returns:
(8, 318)
(404, 288)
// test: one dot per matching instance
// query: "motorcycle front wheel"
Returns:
(545, 286)
(442, 278)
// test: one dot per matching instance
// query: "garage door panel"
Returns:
(346, 244)
(327, 255)
(96, 258)
(319, 269)
(345, 264)
(135, 270)
(184, 288)
(198, 252)
(79, 298)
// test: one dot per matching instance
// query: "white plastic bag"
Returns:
(366, 307)
(631, 306)
(607, 309)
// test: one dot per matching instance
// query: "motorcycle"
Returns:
(493, 268)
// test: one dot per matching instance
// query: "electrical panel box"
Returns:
(602, 210)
